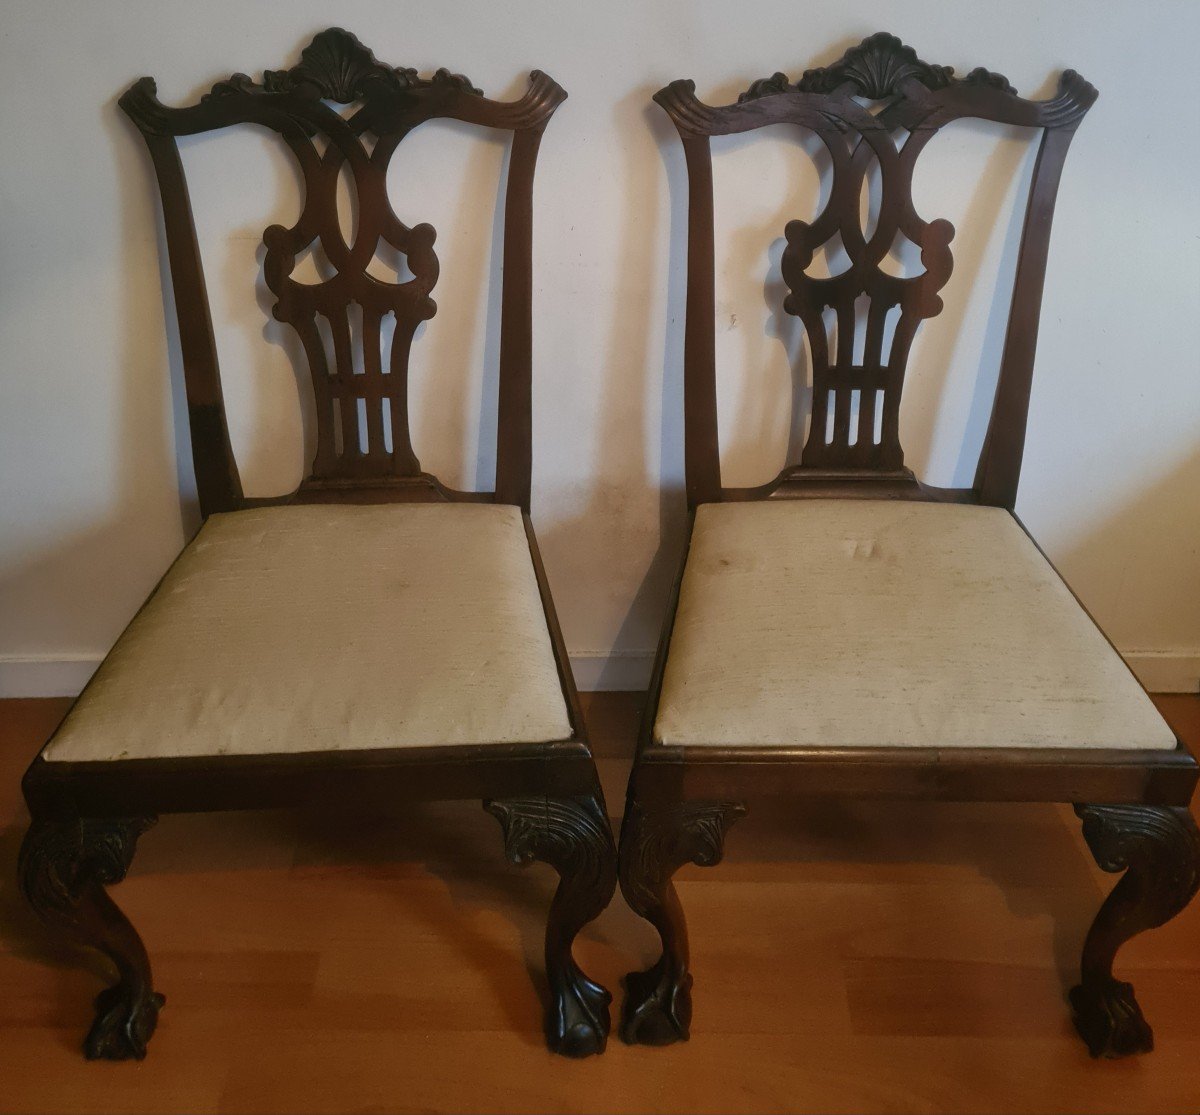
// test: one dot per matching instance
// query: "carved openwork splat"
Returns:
(360, 387)
(915, 99)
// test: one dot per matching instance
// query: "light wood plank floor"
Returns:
(861, 957)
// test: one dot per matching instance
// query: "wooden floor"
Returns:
(865, 957)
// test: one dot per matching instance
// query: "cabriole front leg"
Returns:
(64, 867)
(574, 837)
(1158, 848)
(656, 840)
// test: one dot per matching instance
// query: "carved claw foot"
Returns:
(656, 841)
(574, 837)
(124, 1025)
(1158, 848)
(657, 1008)
(65, 865)
(1109, 1019)
(577, 1022)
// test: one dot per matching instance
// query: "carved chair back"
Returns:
(914, 100)
(353, 459)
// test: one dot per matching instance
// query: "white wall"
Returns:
(91, 466)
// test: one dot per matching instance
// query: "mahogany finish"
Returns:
(681, 800)
(814, 998)
(87, 815)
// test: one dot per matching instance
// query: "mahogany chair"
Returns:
(372, 639)
(848, 631)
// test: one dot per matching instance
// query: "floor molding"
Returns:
(601, 672)
(49, 675)
(1166, 671)
(45, 675)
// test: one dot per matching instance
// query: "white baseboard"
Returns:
(1166, 671)
(1160, 671)
(45, 675)
(598, 672)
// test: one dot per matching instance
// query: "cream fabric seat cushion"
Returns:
(863, 623)
(331, 628)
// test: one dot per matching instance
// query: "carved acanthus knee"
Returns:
(655, 842)
(65, 864)
(1158, 848)
(59, 860)
(573, 836)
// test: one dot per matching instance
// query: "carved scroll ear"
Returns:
(1070, 103)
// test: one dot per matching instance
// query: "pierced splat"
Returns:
(844, 434)
(856, 397)
(356, 329)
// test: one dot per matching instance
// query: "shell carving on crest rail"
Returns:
(856, 398)
(359, 372)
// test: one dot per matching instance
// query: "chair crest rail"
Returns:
(856, 402)
(359, 374)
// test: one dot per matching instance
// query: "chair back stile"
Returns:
(854, 430)
(355, 408)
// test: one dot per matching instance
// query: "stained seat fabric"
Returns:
(331, 628)
(870, 623)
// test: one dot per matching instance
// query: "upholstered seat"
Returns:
(331, 628)
(861, 623)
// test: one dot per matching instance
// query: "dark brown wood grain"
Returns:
(65, 865)
(1159, 852)
(547, 795)
(391, 103)
(658, 838)
(843, 460)
(919, 100)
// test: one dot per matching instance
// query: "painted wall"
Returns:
(95, 485)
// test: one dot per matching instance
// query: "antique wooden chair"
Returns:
(847, 630)
(373, 638)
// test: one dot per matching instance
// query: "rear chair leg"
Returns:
(1158, 848)
(573, 836)
(64, 866)
(656, 841)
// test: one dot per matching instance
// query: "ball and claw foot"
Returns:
(573, 836)
(577, 1024)
(1158, 849)
(658, 1007)
(1109, 1019)
(65, 866)
(656, 841)
(123, 1027)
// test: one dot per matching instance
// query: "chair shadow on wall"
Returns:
(620, 508)
(90, 557)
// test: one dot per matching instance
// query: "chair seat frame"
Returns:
(87, 816)
(683, 799)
